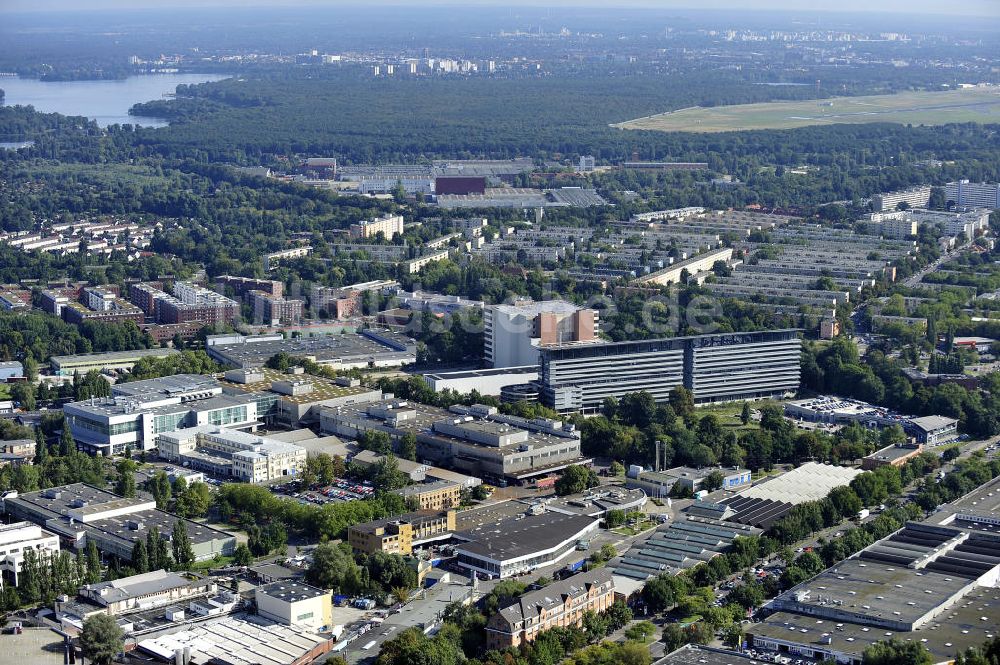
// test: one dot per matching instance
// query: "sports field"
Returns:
(917, 108)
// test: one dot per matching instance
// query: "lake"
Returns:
(107, 102)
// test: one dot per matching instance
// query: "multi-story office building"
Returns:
(974, 194)
(389, 226)
(914, 197)
(560, 604)
(231, 453)
(15, 540)
(716, 368)
(514, 333)
(274, 310)
(139, 411)
(475, 440)
(79, 513)
(399, 535)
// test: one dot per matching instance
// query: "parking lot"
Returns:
(340, 490)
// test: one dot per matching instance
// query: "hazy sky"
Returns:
(965, 7)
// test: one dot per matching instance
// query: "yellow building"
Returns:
(398, 535)
(437, 495)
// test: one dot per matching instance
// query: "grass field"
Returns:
(916, 108)
(99, 173)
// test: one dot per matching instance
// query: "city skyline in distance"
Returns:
(983, 8)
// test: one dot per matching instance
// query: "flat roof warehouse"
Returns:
(523, 535)
(349, 349)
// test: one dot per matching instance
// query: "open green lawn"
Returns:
(4, 391)
(100, 173)
(645, 525)
(221, 562)
(729, 414)
(916, 108)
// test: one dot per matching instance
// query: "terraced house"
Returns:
(559, 604)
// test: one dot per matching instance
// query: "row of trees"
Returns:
(879, 379)
(630, 428)
(153, 553)
(376, 576)
(179, 497)
(56, 465)
(45, 575)
(251, 504)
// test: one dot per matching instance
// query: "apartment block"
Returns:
(196, 303)
(716, 368)
(673, 274)
(973, 194)
(389, 226)
(274, 310)
(914, 197)
(274, 259)
(243, 285)
(515, 333)
(560, 604)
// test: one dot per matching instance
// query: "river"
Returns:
(107, 102)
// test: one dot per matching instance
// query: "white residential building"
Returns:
(974, 194)
(15, 540)
(227, 452)
(390, 226)
(914, 197)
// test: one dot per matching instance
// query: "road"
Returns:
(915, 279)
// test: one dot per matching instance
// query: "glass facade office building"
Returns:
(716, 368)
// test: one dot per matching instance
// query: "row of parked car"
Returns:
(339, 490)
